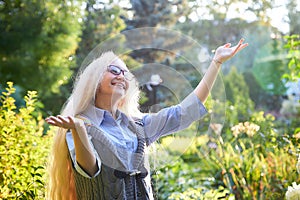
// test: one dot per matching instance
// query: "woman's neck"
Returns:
(107, 104)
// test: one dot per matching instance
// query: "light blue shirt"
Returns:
(156, 125)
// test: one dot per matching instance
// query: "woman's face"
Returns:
(114, 84)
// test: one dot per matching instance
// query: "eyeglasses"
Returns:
(115, 70)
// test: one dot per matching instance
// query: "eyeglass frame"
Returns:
(124, 72)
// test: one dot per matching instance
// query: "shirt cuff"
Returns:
(78, 168)
(83, 173)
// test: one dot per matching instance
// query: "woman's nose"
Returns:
(120, 76)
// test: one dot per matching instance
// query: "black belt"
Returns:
(122, 174)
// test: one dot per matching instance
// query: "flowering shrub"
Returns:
(249, 160)
(247, 127)
(23, 148)
(290, 107)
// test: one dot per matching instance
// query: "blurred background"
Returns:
(249, 152)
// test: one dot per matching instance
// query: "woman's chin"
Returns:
(119, 94)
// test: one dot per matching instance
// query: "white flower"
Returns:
(247, 127)
(181, 181)
(293, 192)
(251, 128)
(237, 129)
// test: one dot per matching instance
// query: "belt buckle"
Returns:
(135, 173)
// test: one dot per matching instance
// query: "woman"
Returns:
(102, 156)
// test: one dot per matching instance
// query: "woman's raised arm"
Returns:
(222, 54)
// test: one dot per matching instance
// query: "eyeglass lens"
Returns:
(117, 71)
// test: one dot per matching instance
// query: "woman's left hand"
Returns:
(225, 52)
(66, 122)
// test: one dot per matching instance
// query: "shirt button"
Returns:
(139, 194)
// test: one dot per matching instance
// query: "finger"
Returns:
(240, 46)
(71, 120)
(54, 124)
(243, 46)
(63, 119)
(237, 48)
(59, 119)
(49, 118)
(227, 45)
(53, 121)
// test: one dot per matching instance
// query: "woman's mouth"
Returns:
(119, 84)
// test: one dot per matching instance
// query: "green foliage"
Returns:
(293, 74)
(231, 103)
(268, 67)
(293, 45)
(23, 148)
(293, 13)
(98, 22)
(155, 14)
(249, 160)
(102, 22)
(237, 92)
(37, 43)
(184, 182)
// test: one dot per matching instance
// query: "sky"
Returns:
(278, 14)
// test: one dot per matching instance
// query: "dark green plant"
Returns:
(37, 45)
(293, 45)
(293, 74)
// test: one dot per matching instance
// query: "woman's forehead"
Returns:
(120, 63)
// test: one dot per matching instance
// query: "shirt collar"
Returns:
(97, 115)
(122, 117)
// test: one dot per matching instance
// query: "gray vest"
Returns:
(123, 175)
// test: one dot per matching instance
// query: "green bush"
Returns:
(257, 162)
(182, 181)
(23, 148)
(250, 160)
(293, 45)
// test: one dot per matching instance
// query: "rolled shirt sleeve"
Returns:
(174, 118)
(71, 147)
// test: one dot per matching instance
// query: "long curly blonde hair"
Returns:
(61, 184)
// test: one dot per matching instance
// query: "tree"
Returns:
(293, 16)
(230, 101)
(37, 43)
(154, 13)
(101, 23)
(214, 26)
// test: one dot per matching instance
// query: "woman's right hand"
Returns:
(226, 52)
(67, 122)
